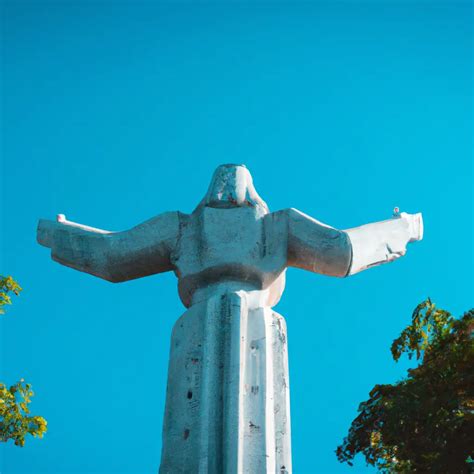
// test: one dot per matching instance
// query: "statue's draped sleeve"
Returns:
(319, 248)
(382, 242)
(114, 256)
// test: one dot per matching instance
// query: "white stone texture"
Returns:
(227, 404)
(227, 408)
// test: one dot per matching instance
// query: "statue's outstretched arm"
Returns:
(114, 256)
(384, 241)
(319, 248)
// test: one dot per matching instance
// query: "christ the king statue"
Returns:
(227, 405)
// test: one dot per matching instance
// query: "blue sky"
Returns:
(114, 112)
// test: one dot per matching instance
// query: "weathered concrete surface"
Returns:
(228, 404)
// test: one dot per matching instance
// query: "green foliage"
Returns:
(15, 419)
(7, 285)
(424, 423)
(429, 327)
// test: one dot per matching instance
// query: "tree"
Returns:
(7, 285)
(424, 423)
(15, 419)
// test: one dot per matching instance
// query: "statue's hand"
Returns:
(46, 231)
(415, 225)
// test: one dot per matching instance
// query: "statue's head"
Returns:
(232, 186)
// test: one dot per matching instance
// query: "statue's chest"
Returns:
(220, 237)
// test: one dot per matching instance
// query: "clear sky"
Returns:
(114, 112)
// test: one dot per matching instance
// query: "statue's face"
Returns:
(232, 186)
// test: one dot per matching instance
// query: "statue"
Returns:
(227, 407)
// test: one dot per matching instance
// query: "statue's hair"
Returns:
(232, 186)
